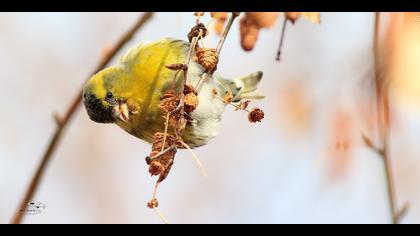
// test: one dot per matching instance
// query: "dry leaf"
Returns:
(220, 20)
(249, 34)
(314, 17)
(262, 19)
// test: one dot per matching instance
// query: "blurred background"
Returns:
(304, 163)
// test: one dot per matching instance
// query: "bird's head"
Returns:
(101, 99)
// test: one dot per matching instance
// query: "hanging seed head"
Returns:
(158, 140)
(249, 34)
(177, 66)
(293, 16)
(190, 102)
(207, 57)
(256, 115)
(153, 203)
(188, 88)
(228, 97)
(156, 168)
(161, 164)
(199, 14)
(195, 31)
(243, 105)
(169, 101)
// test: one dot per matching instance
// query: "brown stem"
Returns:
(225, 32)
(383, 116)
(63, 122)
(283, 32)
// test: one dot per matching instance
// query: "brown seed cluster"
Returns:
(228, 97)
(162, 156)
(169, 103)
(191, 102)
(256, 115)
(207, 57)
(243, 105)
(195, 31)
(153, 203)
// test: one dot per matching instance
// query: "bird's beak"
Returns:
(121, 112)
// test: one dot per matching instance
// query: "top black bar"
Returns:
(210, 5)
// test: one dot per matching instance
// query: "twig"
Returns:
(197, 160)
(225, 32)
(161, 216)
(164, 151)
(185, 69)
(238, 107)
(383, 118)
(283, 31)
(62, 124)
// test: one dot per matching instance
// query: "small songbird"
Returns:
(129, 93)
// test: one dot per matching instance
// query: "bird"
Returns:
(128, 93)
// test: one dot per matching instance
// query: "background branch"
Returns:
(62, 122)
(383, 120)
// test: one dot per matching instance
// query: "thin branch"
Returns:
(225, 32)
(283, 32)
(197, 160)
(161, 216)
(62, 122)
(383, 118)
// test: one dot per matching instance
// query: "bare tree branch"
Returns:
(62, 122)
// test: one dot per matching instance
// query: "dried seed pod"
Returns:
(158, 139)
(188, 88)
(148, 160)
(243, 105)
(156, 168)
(198, 14)
(191, 102)
(220, 20)
(161, 165)
(207, 57)
(228, 97)
(195, 31)
(293, 16)
(153, 203)
(249, 34)
(177, 66)
(256, 115)
(262, 19)
(169, 101)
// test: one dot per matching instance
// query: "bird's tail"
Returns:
(244, 87)
(247, 87)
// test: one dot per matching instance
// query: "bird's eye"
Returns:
(109, 95)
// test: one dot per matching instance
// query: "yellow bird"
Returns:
(129, 93)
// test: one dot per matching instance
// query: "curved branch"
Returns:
(62, 122)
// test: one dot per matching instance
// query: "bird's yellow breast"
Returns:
(144, 78)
